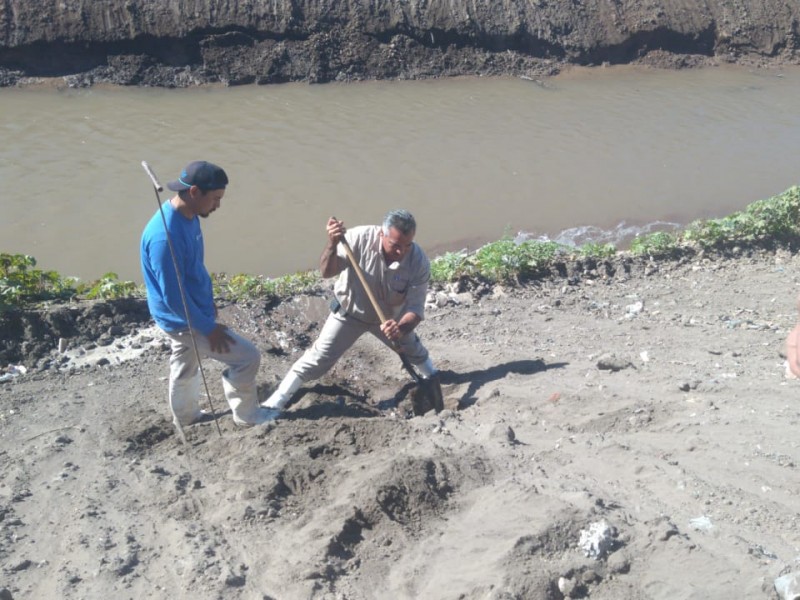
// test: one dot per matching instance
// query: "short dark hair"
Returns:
(400, 219)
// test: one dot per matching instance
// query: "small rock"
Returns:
(610, 362)
(5, 594)
(463, 299)
(566, 586)
(234, 580)
(665, 531)
(504, 433)
(21, 566)
(590, 576)
(618, 563)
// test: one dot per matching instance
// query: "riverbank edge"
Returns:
(143, 44)
(33, 334)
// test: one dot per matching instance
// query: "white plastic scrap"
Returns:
(701, 523)
(788, 586)
(598, 540)
(13, 371)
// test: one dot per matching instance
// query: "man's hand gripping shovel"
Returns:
(430, 388)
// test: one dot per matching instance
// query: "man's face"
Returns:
(395, 244)
(204, 203)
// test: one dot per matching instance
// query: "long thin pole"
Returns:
(159, 188)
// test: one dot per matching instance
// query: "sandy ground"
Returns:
(612, 438)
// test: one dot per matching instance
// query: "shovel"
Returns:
(429, 391)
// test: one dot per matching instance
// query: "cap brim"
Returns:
(178, 186)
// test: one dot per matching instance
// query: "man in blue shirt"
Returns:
(200, 189)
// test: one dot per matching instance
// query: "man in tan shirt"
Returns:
(397, 271)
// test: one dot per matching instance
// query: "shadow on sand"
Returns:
(476, 380)
(345, 403)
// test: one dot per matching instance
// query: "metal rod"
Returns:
(158, 188)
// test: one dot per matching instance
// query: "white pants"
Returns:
(337, 335)
(239, 379)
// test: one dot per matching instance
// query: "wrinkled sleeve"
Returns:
(164, 271)
(418, 287)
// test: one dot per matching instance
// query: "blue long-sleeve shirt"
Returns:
(161, 281)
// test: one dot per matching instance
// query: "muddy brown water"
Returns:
(600, 153)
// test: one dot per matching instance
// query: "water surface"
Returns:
(471, 158)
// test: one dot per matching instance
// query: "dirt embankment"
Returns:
(183, 43)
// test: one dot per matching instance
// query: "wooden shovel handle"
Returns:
(349, 251)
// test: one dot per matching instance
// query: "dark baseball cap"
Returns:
(205, 175)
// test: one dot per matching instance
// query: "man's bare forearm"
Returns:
(328, 260)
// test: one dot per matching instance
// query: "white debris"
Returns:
(702, 523)
(633, 309)
(13, 371)
(788, 586)
(597, 540)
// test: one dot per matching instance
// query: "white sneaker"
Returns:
(280, 397)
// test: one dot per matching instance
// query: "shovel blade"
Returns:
(427, 395)
(433, 390)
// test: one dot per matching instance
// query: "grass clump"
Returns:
(22, 283)
(503, 260)
(109, 287)
(597, 251)
(774, 218)
(249, 287)
(660, 243)
(450, 266)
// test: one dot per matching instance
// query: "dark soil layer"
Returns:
(177, 44)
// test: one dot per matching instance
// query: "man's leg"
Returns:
(184, 380)
(239, 379)
(337, 335)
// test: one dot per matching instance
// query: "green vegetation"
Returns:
(109, 287)
(21, 283)
(244, 287)
(504, 260)
(772, 221)
(776, 218)
(660, 243)
(597, 251)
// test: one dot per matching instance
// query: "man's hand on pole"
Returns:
(335, 229)
(391, 329)
(328, 262)
(394, 330)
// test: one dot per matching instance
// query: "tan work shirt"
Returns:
(399, 287)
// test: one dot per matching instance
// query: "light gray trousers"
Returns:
(337, 335)
(242, 360)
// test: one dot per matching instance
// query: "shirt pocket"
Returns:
(397, 288)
